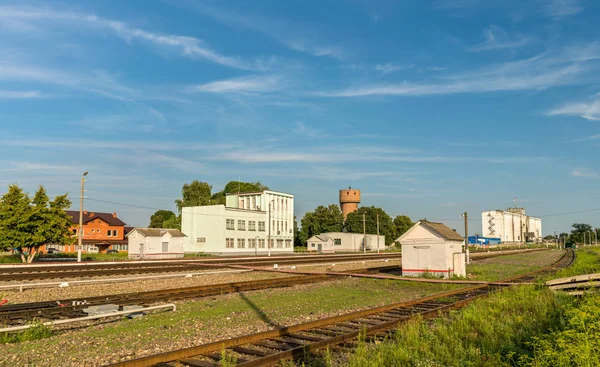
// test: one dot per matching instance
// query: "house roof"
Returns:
(445, 231)
(110, 218)
(158, 232)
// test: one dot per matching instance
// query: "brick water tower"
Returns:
(349, 200)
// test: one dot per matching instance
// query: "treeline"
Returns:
(330, 219)
(581, 233)
(199, 193)
(27, 223)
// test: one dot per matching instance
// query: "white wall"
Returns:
(509, 227)
(152, 246)
(208, 224)
(423, 250)
(353, 241)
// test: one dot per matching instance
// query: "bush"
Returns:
(36, 332)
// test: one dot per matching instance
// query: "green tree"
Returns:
(194, 194)
(577, 233)
(297, 241)
(233, 187)
(159, 217)
(354, 222)
(402, 223)
(27, 224)
(322, 219)
(173, 222)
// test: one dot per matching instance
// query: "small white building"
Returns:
(242, 226)
(155, 243)
(343, 241)
(433, 248)
(511, 226)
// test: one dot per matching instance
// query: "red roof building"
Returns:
(101, 232)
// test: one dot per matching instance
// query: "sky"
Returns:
(430, 108)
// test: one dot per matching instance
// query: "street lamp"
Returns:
(466, 217)
(80, 239)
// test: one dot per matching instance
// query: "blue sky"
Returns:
(430, 108)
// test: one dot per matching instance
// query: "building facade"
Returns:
(242, 225)
(101, 232)
(343, 241)
(155, 243)
(511, 226)
(433, 248)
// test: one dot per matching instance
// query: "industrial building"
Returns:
(349, 200)
(242, 226)
(433, 248)
(155, 243)
(343, 241)
(512, 226)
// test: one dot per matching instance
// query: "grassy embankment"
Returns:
(524, 326)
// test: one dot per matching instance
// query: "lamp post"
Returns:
(80, 237)
(256, 246)
(466, 216)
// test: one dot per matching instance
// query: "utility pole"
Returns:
(378, 233)
(80, 232)
(364, 234)
(269, 241)
(583, 238)
(466, 216)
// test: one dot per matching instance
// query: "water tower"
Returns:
(349, 200)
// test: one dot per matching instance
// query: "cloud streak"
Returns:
(497, 38)
(254, 83)
(589, 110)
(537, 73)
(188, 46)
(13, 94)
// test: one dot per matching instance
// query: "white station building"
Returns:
(341, 241)
(511, 226)
(155, 243)
(242, 225)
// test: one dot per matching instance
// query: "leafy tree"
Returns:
(402, 223)
(159, 217)
(322, 219)
(233, 187)
(27, 224)
(549, 237)
(173, 222)
(297, 241)
(194, 194)
(354, 222)
(578, 230)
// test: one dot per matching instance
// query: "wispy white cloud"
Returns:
(254, 83)
(537, 73)
(38, 167)
(298, 37)
(589, 110)
(584, 173)
(186, 45)
(561, 8)
(497, 38)
(14, 94)
(391, 67)
(305, 130)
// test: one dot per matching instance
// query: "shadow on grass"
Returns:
(261, 314)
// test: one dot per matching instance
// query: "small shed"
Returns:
(155, 243)
(320, 243)
(433, 248)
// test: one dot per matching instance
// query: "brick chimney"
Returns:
(85, 212)
(114, 215)
(91, 214)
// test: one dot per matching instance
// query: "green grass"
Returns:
(505, 266)
(36, 332)
(587, 261)
(495, 331)
(10, 259)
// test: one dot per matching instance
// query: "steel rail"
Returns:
(295, 341)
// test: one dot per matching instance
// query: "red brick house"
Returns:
(101, 231)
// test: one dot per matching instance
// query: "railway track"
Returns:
(20, 314)
(296, 341)
(93, 270)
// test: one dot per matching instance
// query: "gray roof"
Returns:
(159, 232)
(445, 231)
